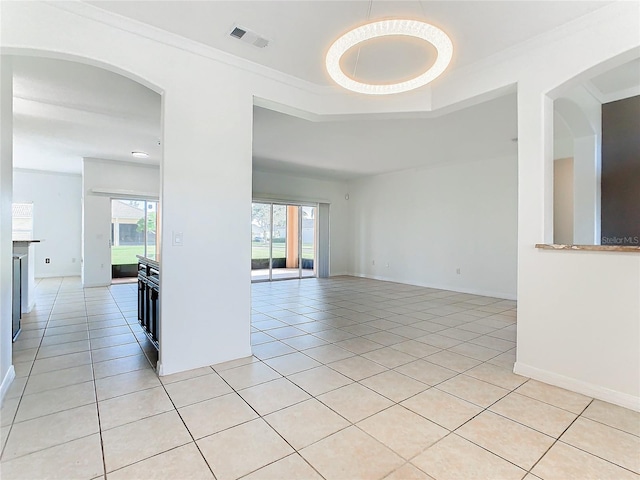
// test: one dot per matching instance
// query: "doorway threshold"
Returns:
(119, 281)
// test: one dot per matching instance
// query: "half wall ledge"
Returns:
(592, 248)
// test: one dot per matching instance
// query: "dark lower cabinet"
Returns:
(16, 300)
(149, 298)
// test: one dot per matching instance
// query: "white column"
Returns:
(6, 198)
(205, 285)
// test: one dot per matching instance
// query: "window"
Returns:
(22, 221)
(133, 231)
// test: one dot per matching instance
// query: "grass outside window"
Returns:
(126, 254)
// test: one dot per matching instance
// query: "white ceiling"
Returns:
(617, 83)
(348, 149)
(300, 32)
(65, 111)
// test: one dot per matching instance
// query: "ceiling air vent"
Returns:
(238, 32)
(247, 36)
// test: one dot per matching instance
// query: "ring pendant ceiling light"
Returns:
(411, 28)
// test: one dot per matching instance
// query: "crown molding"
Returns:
(622, 94)
(612, 96)
(46, 172)
(170, 39)
(594, 91)
(398, 115)
(511, 58)
(119, 193)
(120, 162)
(332, 92)
(73, 107)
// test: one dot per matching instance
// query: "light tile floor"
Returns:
(350, 379)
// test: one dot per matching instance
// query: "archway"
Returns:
(10, 57)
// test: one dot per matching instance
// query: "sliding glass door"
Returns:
(283, 241)
(133, 232)
(308, 240)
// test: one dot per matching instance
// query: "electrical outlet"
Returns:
(458, 271)
(387, 265)
(47, 260)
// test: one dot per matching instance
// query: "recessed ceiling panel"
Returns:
(349, 149)
(300, 32)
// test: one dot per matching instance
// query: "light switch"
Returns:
(177, 239)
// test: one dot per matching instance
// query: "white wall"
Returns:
(120, 179)
(578, 312)
(7, 372)
(563, 201)
(57, 211)
(586, 126)
(562, 148)
(427, 223)
(583, 331)
(586, 190)
(207, 109)
(278, 186)
(205, 178)
(581, 116)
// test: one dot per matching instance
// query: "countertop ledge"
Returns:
(593, 248)
(148, 261)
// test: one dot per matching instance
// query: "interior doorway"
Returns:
(133, 232)
(283, 241)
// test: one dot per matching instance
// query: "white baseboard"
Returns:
(161, 371)
(29, 306)
(93, 285)
(338, 274)
(6, 383)
(471, 291)
(58, 275)
(591, 390)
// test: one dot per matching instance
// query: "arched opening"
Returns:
(589, 170)
(74, 123)
(576, 165)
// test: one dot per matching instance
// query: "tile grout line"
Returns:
(193, 440)
(261, 417)
(162, 384)
(429, 387)
(581, 415)
(28, 376)
(95, 393)
(454, 431)
(352, 381)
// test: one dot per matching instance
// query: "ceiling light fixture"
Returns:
(140, 154)
(411, 28)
